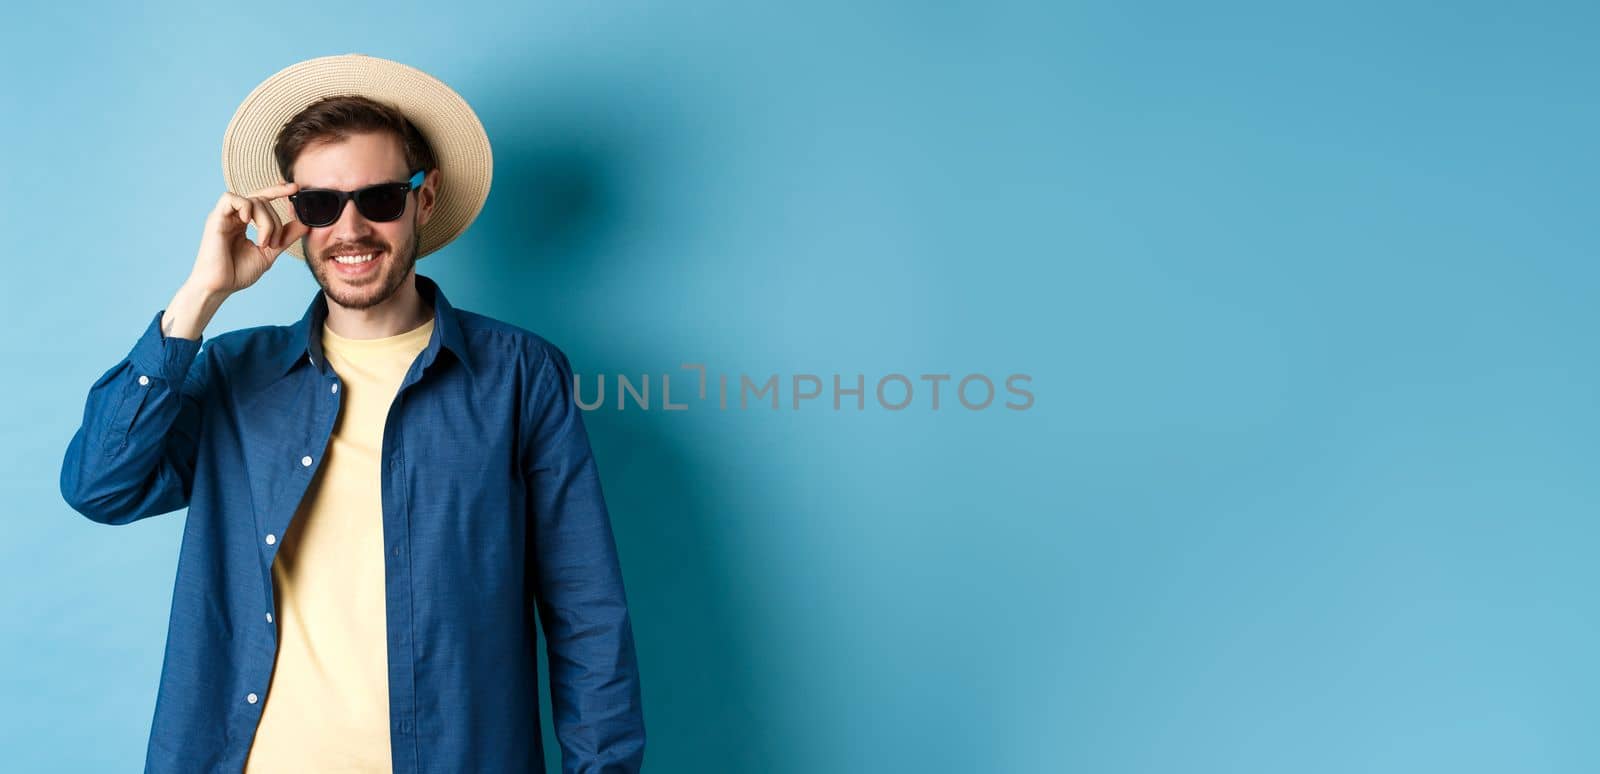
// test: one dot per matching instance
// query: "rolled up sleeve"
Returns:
(133, 455)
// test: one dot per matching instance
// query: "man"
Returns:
(383, 495)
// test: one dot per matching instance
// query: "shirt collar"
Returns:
(305, 336)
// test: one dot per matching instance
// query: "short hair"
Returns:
(335, 118)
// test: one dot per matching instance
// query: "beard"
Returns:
(365, 292)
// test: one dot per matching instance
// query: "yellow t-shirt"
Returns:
(327, 708)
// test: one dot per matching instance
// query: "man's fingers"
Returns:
(266, 221)
(292, 232)
(275, 191)
(237, 207)
(272, 232)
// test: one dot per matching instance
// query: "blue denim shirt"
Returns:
(492, 514)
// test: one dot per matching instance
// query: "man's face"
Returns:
(357, 162)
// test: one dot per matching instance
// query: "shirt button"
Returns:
(305, 462)
(272, 539)
(269, 618)
(143, 380)
(334, 388)
(251, 698)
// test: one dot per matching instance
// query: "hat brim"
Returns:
(459, 142)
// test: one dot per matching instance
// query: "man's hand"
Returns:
(228, 261)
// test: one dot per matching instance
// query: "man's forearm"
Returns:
(190, 310)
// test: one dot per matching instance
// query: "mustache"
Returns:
(362, 248)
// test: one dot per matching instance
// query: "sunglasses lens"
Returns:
(316, 208)
(382, 203)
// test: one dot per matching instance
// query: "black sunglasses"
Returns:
(381, 203)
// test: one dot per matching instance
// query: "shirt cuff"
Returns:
(163, 357)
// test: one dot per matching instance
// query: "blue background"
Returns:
(1307, 296)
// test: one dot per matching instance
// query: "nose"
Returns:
(351, 225)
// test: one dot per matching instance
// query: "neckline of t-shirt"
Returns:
(410, 336)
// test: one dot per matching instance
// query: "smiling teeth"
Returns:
(352, 259)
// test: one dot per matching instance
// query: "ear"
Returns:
(427, 196)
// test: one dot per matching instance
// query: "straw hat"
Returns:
(460, 146)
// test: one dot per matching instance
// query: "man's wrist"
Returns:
(190, 310)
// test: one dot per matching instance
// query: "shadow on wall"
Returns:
(559, 198)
